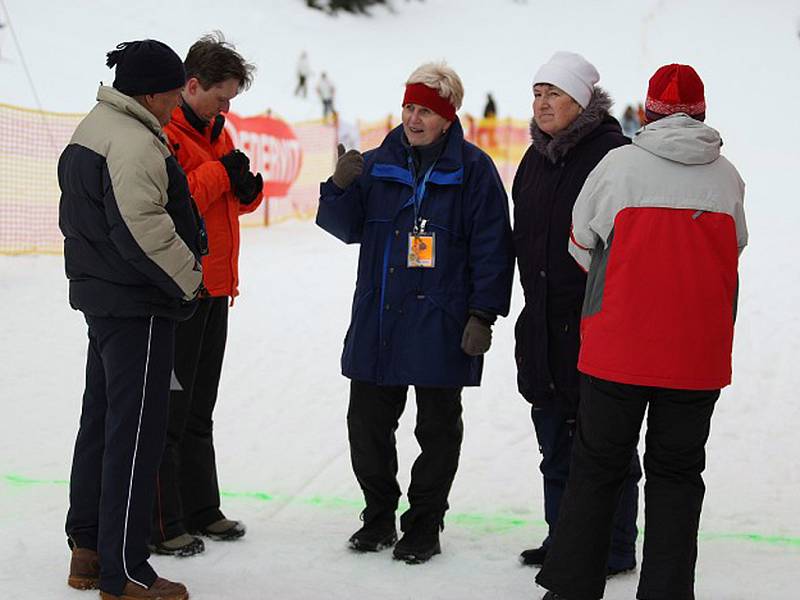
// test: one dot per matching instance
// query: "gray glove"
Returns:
(477, 336)
(349, 166)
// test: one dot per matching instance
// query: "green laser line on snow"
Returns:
(494, 523)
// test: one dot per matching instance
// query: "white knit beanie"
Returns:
(570, 72)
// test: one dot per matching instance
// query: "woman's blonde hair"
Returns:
(443, 79)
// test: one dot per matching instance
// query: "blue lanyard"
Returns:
(419, 191)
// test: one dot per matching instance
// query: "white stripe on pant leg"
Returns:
(133, 462)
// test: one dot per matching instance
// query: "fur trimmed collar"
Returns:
(556, 148)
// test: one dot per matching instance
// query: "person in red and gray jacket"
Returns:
(223, 188)
(659, 225)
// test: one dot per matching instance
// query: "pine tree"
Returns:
(352, 6)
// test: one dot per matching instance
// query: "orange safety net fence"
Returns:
(318, 141)
(505, 140)
(31, 142)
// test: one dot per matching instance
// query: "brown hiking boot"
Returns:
(84, 569)
(162, 589)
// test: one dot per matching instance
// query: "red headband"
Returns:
(419, 93)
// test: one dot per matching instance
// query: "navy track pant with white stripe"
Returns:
(119, 445)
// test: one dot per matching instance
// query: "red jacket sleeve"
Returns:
(207, 183)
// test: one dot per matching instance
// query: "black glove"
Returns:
(349, 166)
(236, 164)
(249, 188)
(477, 336)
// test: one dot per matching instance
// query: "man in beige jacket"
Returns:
(131, 249)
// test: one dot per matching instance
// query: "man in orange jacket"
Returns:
(223, 187)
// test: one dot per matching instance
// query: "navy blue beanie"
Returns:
(146, 67)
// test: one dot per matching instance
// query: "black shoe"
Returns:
(182, 546)
(534, 556)
(419, 543)
(374, 536)
(224, 530)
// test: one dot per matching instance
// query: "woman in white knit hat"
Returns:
(571, 131)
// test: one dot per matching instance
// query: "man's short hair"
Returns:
(212, 60)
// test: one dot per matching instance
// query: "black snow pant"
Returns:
(609, 420)
(327, 107)
(372, 419)
(119, 445)
(555, 432)
(301, 89)
(188, 492)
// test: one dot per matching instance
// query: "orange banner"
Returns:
(272, 147)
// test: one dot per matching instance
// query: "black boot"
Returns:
(552, 596)
(420, 542)
(534, 556)
(223, 530)
(182, 546)
(376, 534)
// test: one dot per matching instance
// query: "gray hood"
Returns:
(681, 139)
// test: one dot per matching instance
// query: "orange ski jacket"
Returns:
(198, 152)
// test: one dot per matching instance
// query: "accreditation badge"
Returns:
(421, 250)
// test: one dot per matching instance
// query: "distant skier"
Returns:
(490, 110)
(303, 73)
(486, 131)
(326, 92)
(2, 37)
(630, 121)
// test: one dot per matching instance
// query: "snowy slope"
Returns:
(495, 46)
(283, 455)
(280, 424)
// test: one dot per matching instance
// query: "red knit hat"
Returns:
(673, 89)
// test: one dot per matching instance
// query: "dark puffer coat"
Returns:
(546, 185)
(407, 323)
(131, 236)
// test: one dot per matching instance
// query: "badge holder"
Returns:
(421, 249)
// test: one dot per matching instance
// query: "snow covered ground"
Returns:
(283, 454)
(281, 438)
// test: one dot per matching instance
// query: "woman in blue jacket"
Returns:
(434, 272)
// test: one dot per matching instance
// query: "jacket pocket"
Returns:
(427, 340)
(361, 340)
